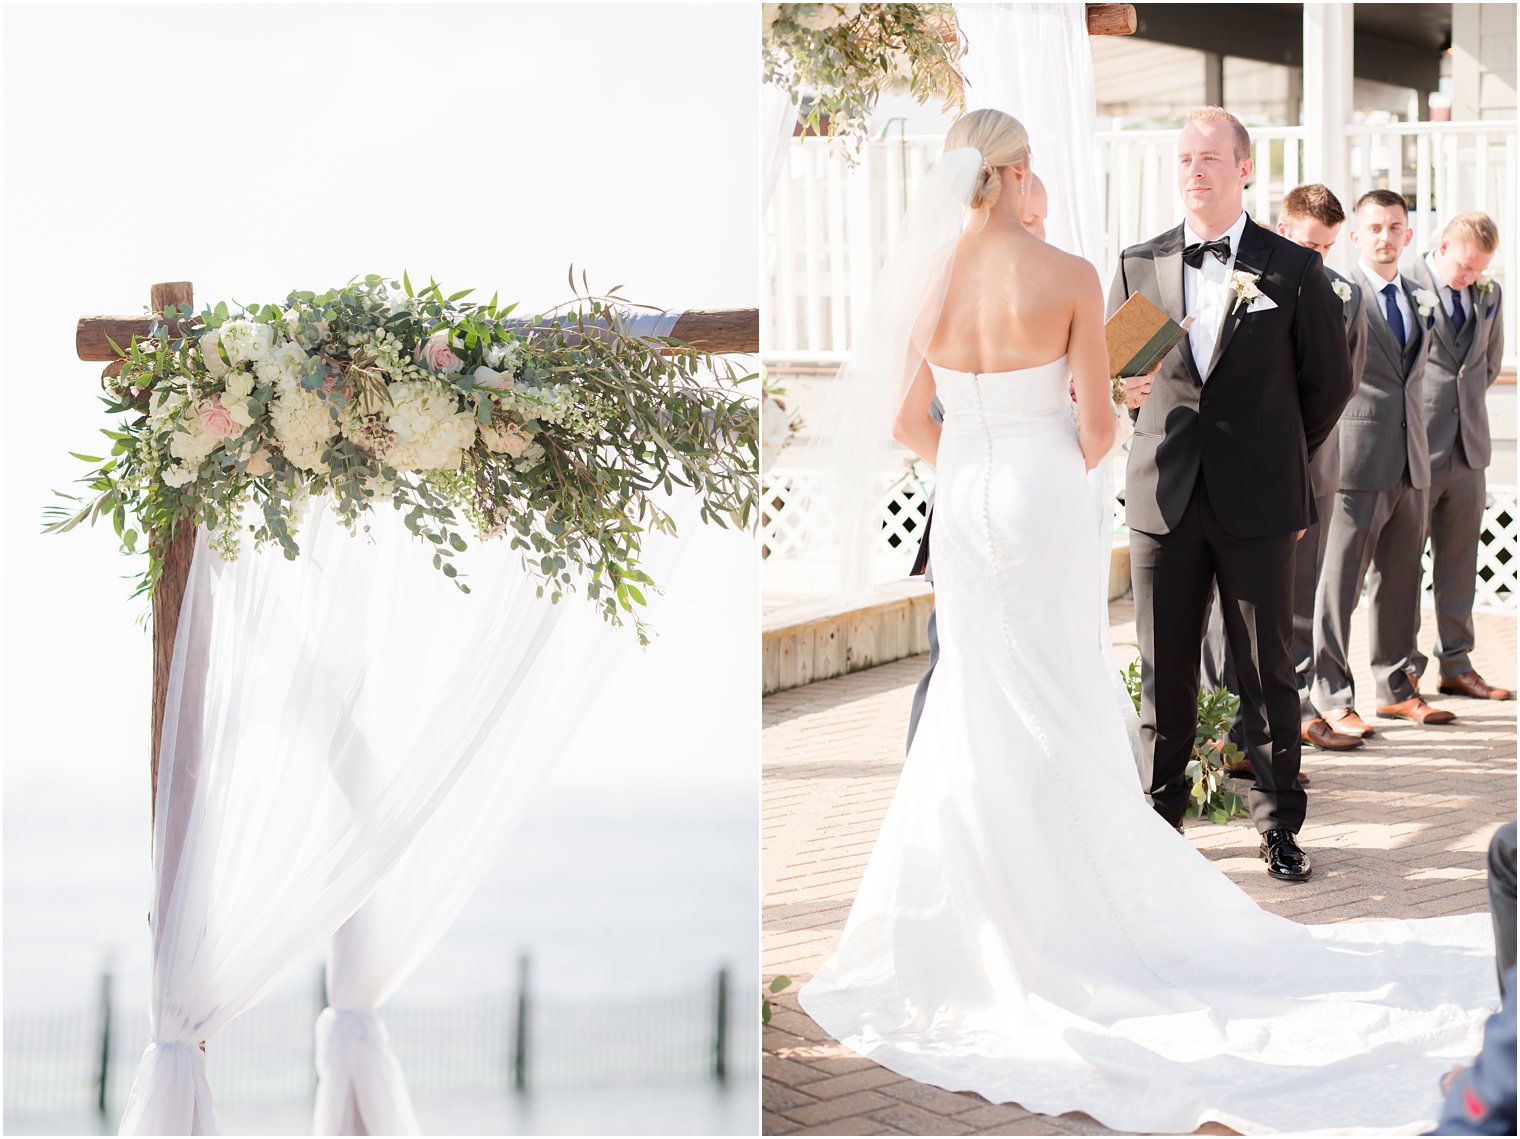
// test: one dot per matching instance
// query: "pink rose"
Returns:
(258, 463)
(214, 419)
(436, 354)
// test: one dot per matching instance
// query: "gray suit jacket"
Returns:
(1383, 427)
(1457, 381)
(1325, 466)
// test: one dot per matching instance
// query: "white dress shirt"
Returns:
(1376, 284)
(1444, 291)
(1206, 293)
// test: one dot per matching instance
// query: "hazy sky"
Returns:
(256, 149)
(252, 149)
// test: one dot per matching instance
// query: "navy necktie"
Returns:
(1395, 319)
(1458, 317)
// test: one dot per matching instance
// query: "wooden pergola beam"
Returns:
(715, 330)
(1102, 20)
(1111, 19)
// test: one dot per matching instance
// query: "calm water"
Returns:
(616, 894)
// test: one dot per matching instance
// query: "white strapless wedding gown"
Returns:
(1028, 928)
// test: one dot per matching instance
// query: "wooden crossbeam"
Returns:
(1110, 19)
(1102, 20)
(715, 330)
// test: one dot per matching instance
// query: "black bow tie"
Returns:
(1193, 254)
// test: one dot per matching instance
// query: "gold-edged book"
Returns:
(1139, 335)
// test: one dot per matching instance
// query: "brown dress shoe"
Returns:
(1417, 710)
(1322, 735)
(1346, 722)
(1471, 684)
(1244, 770)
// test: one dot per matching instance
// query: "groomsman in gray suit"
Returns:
(1378, 522)
(1311, 216)
(1464, 359)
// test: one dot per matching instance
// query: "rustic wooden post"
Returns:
(170, 592)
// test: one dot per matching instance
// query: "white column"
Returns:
(1327, 96)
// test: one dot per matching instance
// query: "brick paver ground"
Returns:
(1397, 828)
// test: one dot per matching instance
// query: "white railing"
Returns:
(786, 533)
(830, 226)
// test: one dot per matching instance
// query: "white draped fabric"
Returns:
(778, 121)
(360, 1086)
(1033, 61)
(320, 712)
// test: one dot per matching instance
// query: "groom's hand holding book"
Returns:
(1139, 335)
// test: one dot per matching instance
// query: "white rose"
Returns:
(1342, 290)
(490, 378)
(211, 353)
(238, 385)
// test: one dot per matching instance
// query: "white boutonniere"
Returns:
(1245, 288)
(1484, 285)
(1426, 302)
(1342, 290)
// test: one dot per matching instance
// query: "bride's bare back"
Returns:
(1011, 301)
(1014, 302)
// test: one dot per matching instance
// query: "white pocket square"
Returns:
(1261, 304)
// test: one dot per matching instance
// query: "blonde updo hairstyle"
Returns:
(1002, 141)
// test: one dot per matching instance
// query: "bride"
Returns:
(1028, 928)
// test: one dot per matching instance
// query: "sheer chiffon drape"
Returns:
(360, 1086)
(296, 684)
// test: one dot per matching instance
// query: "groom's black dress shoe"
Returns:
(1285, 859)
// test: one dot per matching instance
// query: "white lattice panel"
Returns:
(786, 531)
(1498, 583)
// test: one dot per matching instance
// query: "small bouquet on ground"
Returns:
(552, 433)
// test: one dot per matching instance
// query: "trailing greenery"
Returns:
(554, 433)
(1212, 750)
(845, 55)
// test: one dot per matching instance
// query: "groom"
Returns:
(1217, 489)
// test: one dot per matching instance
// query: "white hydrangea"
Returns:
(283, 363)
(190, 444)
(432, 434)
(821, 17)
(246, 341)
(177, 475)
(301, 423)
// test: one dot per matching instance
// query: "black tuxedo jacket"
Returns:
(1279, 380)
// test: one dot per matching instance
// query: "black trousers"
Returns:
(1174, 575)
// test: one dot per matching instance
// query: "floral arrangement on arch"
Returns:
(845, 55)
(552, 433)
